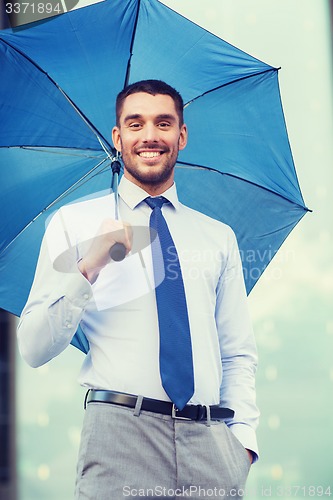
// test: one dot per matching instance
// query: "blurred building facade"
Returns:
(7, 409)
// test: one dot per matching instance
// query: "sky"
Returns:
(291, 306)
(293, 35)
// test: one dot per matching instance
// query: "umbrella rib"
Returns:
(45, 149)
(72, 188)
(195, 166)
(230, 83)
(88, 123)
(86, 120)
(278, 248)
(128, 69)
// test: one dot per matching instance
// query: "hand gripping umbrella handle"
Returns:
(118, 250)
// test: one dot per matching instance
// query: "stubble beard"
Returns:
(150, 176)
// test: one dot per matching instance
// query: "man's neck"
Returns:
(151, 189)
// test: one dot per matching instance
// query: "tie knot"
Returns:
(156, 202)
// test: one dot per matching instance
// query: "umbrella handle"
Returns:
(118, 250)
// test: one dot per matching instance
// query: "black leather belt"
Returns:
(190, 412)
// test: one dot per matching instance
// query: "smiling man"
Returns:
(170, 371)
(149, 139)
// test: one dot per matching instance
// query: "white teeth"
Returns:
(149, 154)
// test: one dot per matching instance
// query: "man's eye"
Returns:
(135, 125)
(164, 124)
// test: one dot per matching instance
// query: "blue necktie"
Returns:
(176, 363)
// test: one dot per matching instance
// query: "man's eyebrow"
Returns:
(135, 116)
(163, 116)
(166, 116)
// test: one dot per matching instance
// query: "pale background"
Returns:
(291, 306)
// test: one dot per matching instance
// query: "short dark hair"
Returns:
(152, 87)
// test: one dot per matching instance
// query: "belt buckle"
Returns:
(174, 415)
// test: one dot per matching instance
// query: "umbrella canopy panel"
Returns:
(85, 52)
(58, 86)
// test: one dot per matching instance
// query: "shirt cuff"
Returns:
(77, 289)
(247, 436)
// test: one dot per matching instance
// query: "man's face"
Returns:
(149, 137)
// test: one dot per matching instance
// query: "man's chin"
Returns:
(152, 175)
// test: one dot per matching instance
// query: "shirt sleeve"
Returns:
(55, 305)
(238, 350)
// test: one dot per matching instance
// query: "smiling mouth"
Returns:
(150, 154)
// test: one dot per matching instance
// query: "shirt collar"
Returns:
(133, 195)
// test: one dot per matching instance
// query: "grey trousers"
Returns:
(155, 456)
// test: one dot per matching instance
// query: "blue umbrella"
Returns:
(58, 86)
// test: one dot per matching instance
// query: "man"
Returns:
(147, 432)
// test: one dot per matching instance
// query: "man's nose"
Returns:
(150, 133)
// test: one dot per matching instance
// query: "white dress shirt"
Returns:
(118, 312)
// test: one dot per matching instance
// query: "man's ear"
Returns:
(183, 137)
(116, 138)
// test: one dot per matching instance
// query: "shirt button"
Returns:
(86, 296)
(68, 324)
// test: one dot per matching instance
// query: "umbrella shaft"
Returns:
(115, 190)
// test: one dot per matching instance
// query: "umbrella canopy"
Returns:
(59, 82)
